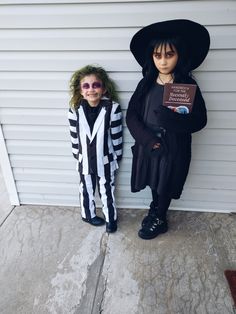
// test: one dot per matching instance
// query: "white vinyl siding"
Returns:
(44, 42)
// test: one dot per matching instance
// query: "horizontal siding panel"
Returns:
(58, 99)
(60, 175)
(215, 61)
(113, 39)
(204, 167)
(46, 175)
(222, 150)
(43, 162)
(181, 204)
(215, 137)
(34, 99)
(42, 146)
(223, 182)
(47, 199)
(221, 119)
(72, 189)
(60, 148)
(209, 206)
(189, 194)
(61, 133)
(69, 60)
(65, 61)
(67, 39)
(40, 2)
(209, 195)
(216, 81)
(211, 182)
(124, 14)
(39, 148)
(115, 61)
(218, 100)
(34, 116)
(45, 99)
(215, 167)
(122, 179)
(43, 2)
(214, 152)
(136, 203)
(47, 188)
(57, 81)
(36, 132)
(216, 119)
(199, 152)
(126, 82)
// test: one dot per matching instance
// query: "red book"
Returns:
(179, 97)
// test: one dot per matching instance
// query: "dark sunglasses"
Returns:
(94, 85)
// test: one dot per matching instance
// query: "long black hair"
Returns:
(182, 69)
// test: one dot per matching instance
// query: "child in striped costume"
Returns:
(95, 120)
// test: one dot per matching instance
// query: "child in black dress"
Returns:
(167, 51)
(95, 120)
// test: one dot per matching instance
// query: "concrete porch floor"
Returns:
(52, 262)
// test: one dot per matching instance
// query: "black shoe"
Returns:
(153, 229)
(95, 221)
(152, 213)
(111, 226)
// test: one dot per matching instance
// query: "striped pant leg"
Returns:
(87, 191)
(106, 191)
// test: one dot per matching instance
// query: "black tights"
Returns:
(162, 202)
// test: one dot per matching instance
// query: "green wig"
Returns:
(101, 74)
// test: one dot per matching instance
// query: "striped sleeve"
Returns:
(72, 117)
(116, 130)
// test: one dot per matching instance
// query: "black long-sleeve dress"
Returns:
(164, 169)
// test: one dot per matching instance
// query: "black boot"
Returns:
(95, 221)
(152, 213)
(111, 226)
(153, 228)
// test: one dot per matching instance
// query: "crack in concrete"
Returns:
(8, 215)
(92, 298)
(101, 282)
(102, 296)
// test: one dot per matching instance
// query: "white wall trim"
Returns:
(189, 209)
(7, 171)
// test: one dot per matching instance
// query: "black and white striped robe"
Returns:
(98, 153)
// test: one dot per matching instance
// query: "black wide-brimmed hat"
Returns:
(194, 35)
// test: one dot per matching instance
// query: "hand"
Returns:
(156, 146)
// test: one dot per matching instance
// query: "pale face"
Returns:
(165, 59)
(91, 88)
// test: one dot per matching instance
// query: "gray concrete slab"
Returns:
(52, 262)
(179, 272)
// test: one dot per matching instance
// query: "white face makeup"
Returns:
(165, 59)
(91, 88)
